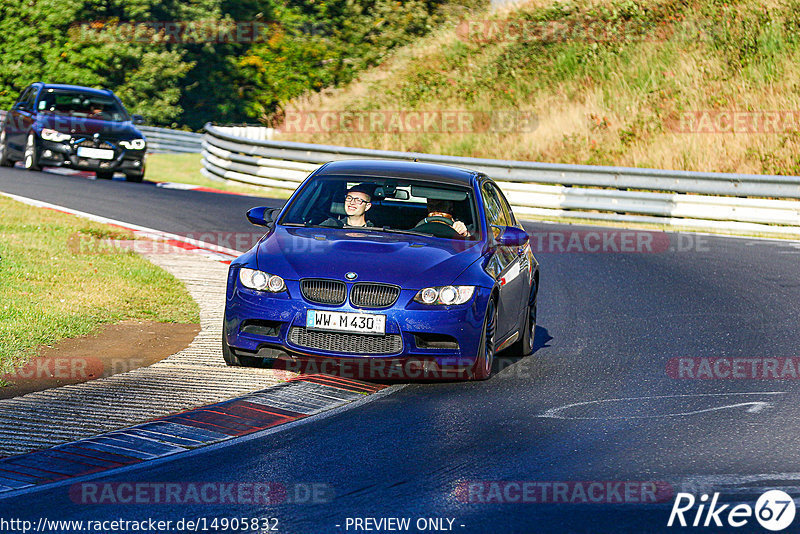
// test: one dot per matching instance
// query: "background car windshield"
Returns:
(78, 104)
(397, 204)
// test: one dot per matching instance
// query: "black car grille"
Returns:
(91, 144)
(324, 291)
(368, 295)
(345, 343)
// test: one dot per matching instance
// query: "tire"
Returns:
(136, 178)
(31, 158)
(483, 363)
(236, 361)
(5, 161)
(104, 175)
(524, 346)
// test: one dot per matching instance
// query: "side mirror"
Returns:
(262, 216)
(511, 236)
(137, 119)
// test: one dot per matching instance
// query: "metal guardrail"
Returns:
(699, 200)
(164, 139)
(167, 140)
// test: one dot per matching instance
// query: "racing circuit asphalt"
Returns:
(609, 323)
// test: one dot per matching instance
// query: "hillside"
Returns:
(690, 85)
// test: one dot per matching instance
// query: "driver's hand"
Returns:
(461, 228)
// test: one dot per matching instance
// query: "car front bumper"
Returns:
(65, 154)
(269, 325)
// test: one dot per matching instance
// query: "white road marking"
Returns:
(143, 231)
(752, 406)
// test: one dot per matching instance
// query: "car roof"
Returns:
(81, 88)
(399, 169)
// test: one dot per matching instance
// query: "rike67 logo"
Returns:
(774, 511)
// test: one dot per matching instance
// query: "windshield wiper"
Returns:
(406, 232)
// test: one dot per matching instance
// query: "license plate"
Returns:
(95, 153)
(357, 323)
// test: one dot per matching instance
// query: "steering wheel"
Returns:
(435, 218)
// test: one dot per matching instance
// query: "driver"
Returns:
(357, 202)
(440, 221)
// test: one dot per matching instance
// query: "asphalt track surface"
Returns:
(609, 324)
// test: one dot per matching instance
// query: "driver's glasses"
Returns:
(354, 200)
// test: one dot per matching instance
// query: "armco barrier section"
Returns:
(167, 140)
(700, 200)
(164, 139)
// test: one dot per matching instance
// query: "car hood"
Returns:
(83, 126)
(411, 262)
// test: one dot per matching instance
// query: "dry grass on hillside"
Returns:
(610, 102)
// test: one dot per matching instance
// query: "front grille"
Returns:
(368, 295)
(345, 343)
(324, 291)
(91, 144)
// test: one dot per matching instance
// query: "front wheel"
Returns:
(483, 363)
(4, 159)
(31, 159)
(136, 178)
(524, 346)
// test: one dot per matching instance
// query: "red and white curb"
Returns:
(297, 399)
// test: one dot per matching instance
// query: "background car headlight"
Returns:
(445, 295)
(55, 136)
(261, 281)
(133, 144)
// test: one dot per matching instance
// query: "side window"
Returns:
(30, 104)
(22, 101)
(495, 212)
(506, 207)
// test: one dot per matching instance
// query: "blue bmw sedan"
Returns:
(402, 269)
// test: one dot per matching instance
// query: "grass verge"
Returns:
(185, 169)
(50, 291)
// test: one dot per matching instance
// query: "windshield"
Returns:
(80, 104)
(386, 204)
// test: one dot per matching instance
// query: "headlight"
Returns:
(261, 281)
(446, 295)
(55, 136)
(133, 144)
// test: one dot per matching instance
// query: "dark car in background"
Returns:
(73, 126)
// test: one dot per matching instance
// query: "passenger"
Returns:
(357, 202)
(96, 110)
(440, 221)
